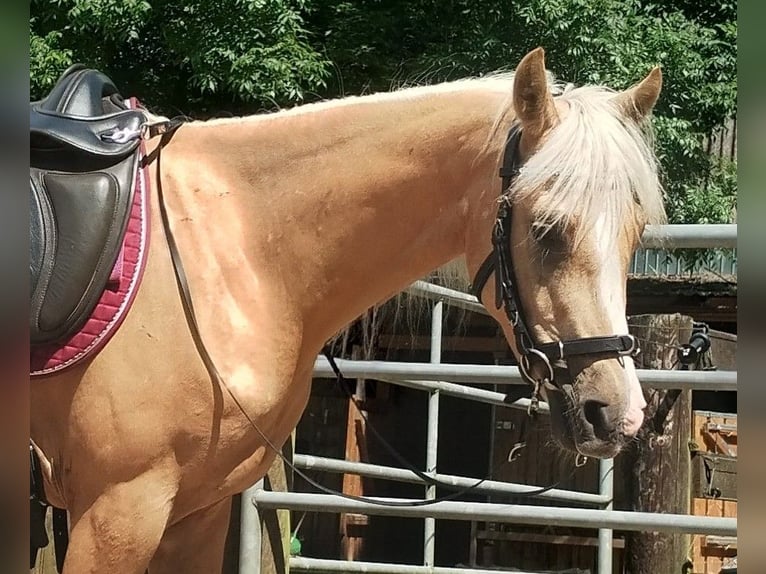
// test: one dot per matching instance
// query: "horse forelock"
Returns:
(594, 166)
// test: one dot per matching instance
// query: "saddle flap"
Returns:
(77, 250)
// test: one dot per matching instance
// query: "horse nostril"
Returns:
(595, 414)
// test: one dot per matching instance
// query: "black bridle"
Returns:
(500, 263)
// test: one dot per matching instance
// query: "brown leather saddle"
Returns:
(84, 154)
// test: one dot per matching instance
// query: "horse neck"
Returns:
(361, 199)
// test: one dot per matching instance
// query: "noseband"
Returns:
(500, 262)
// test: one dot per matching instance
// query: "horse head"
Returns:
(581, 186)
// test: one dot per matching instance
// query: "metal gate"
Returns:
(449, 379)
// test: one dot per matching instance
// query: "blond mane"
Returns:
(594, 166)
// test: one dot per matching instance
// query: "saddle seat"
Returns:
(84, 153)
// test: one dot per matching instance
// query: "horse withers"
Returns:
(289, 226)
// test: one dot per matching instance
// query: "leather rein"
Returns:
(500, 263)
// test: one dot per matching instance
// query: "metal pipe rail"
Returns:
(508, 513)
(250, 532)
(310, 462)
(300, 564)
(606, 535)
(432, 434)
(450, 296)
(685, 236)
(502, 374)
(690, 236)
(466, 392)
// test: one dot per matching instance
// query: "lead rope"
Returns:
(186, 299)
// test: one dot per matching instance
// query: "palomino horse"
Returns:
(289, 226)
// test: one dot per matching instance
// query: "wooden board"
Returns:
(540, 463)
(352, 527)
(46, 558)
(275, 523)
(708, 555)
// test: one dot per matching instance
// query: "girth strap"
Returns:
(38, 536)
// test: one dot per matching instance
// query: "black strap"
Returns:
(500, 263)
(615, 344)
(38, 536)
(508, 172)
(36, 490)
(485, 271)
(166, 130)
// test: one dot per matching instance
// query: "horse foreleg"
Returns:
(195, 544)
(121, 530)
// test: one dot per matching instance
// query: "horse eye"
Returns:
(549, 236)
(543, 230)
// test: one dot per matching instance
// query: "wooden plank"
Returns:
(275, 524)
(352, 526)
(714, 476)
(708, 559)
(543, 538)
(724, 542)
(713, 555)
(716, 434)
(713, 563)
(730, 508)
(723, 350)
(46, 557)
(699, 508)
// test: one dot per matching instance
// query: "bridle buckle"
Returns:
(634, 350)
(525, 366)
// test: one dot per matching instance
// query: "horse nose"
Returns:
(601, 418)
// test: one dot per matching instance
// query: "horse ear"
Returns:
(638, 101)
(532, 99)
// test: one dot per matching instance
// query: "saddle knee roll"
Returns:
(77, 223)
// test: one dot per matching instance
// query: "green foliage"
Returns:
(614, 42)
(205, 56)
(713, 202)
(199, 56)
(47, 59)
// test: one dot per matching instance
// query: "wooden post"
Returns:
(46, 558)
(352, 525)
(658, 467)
(275, 524)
